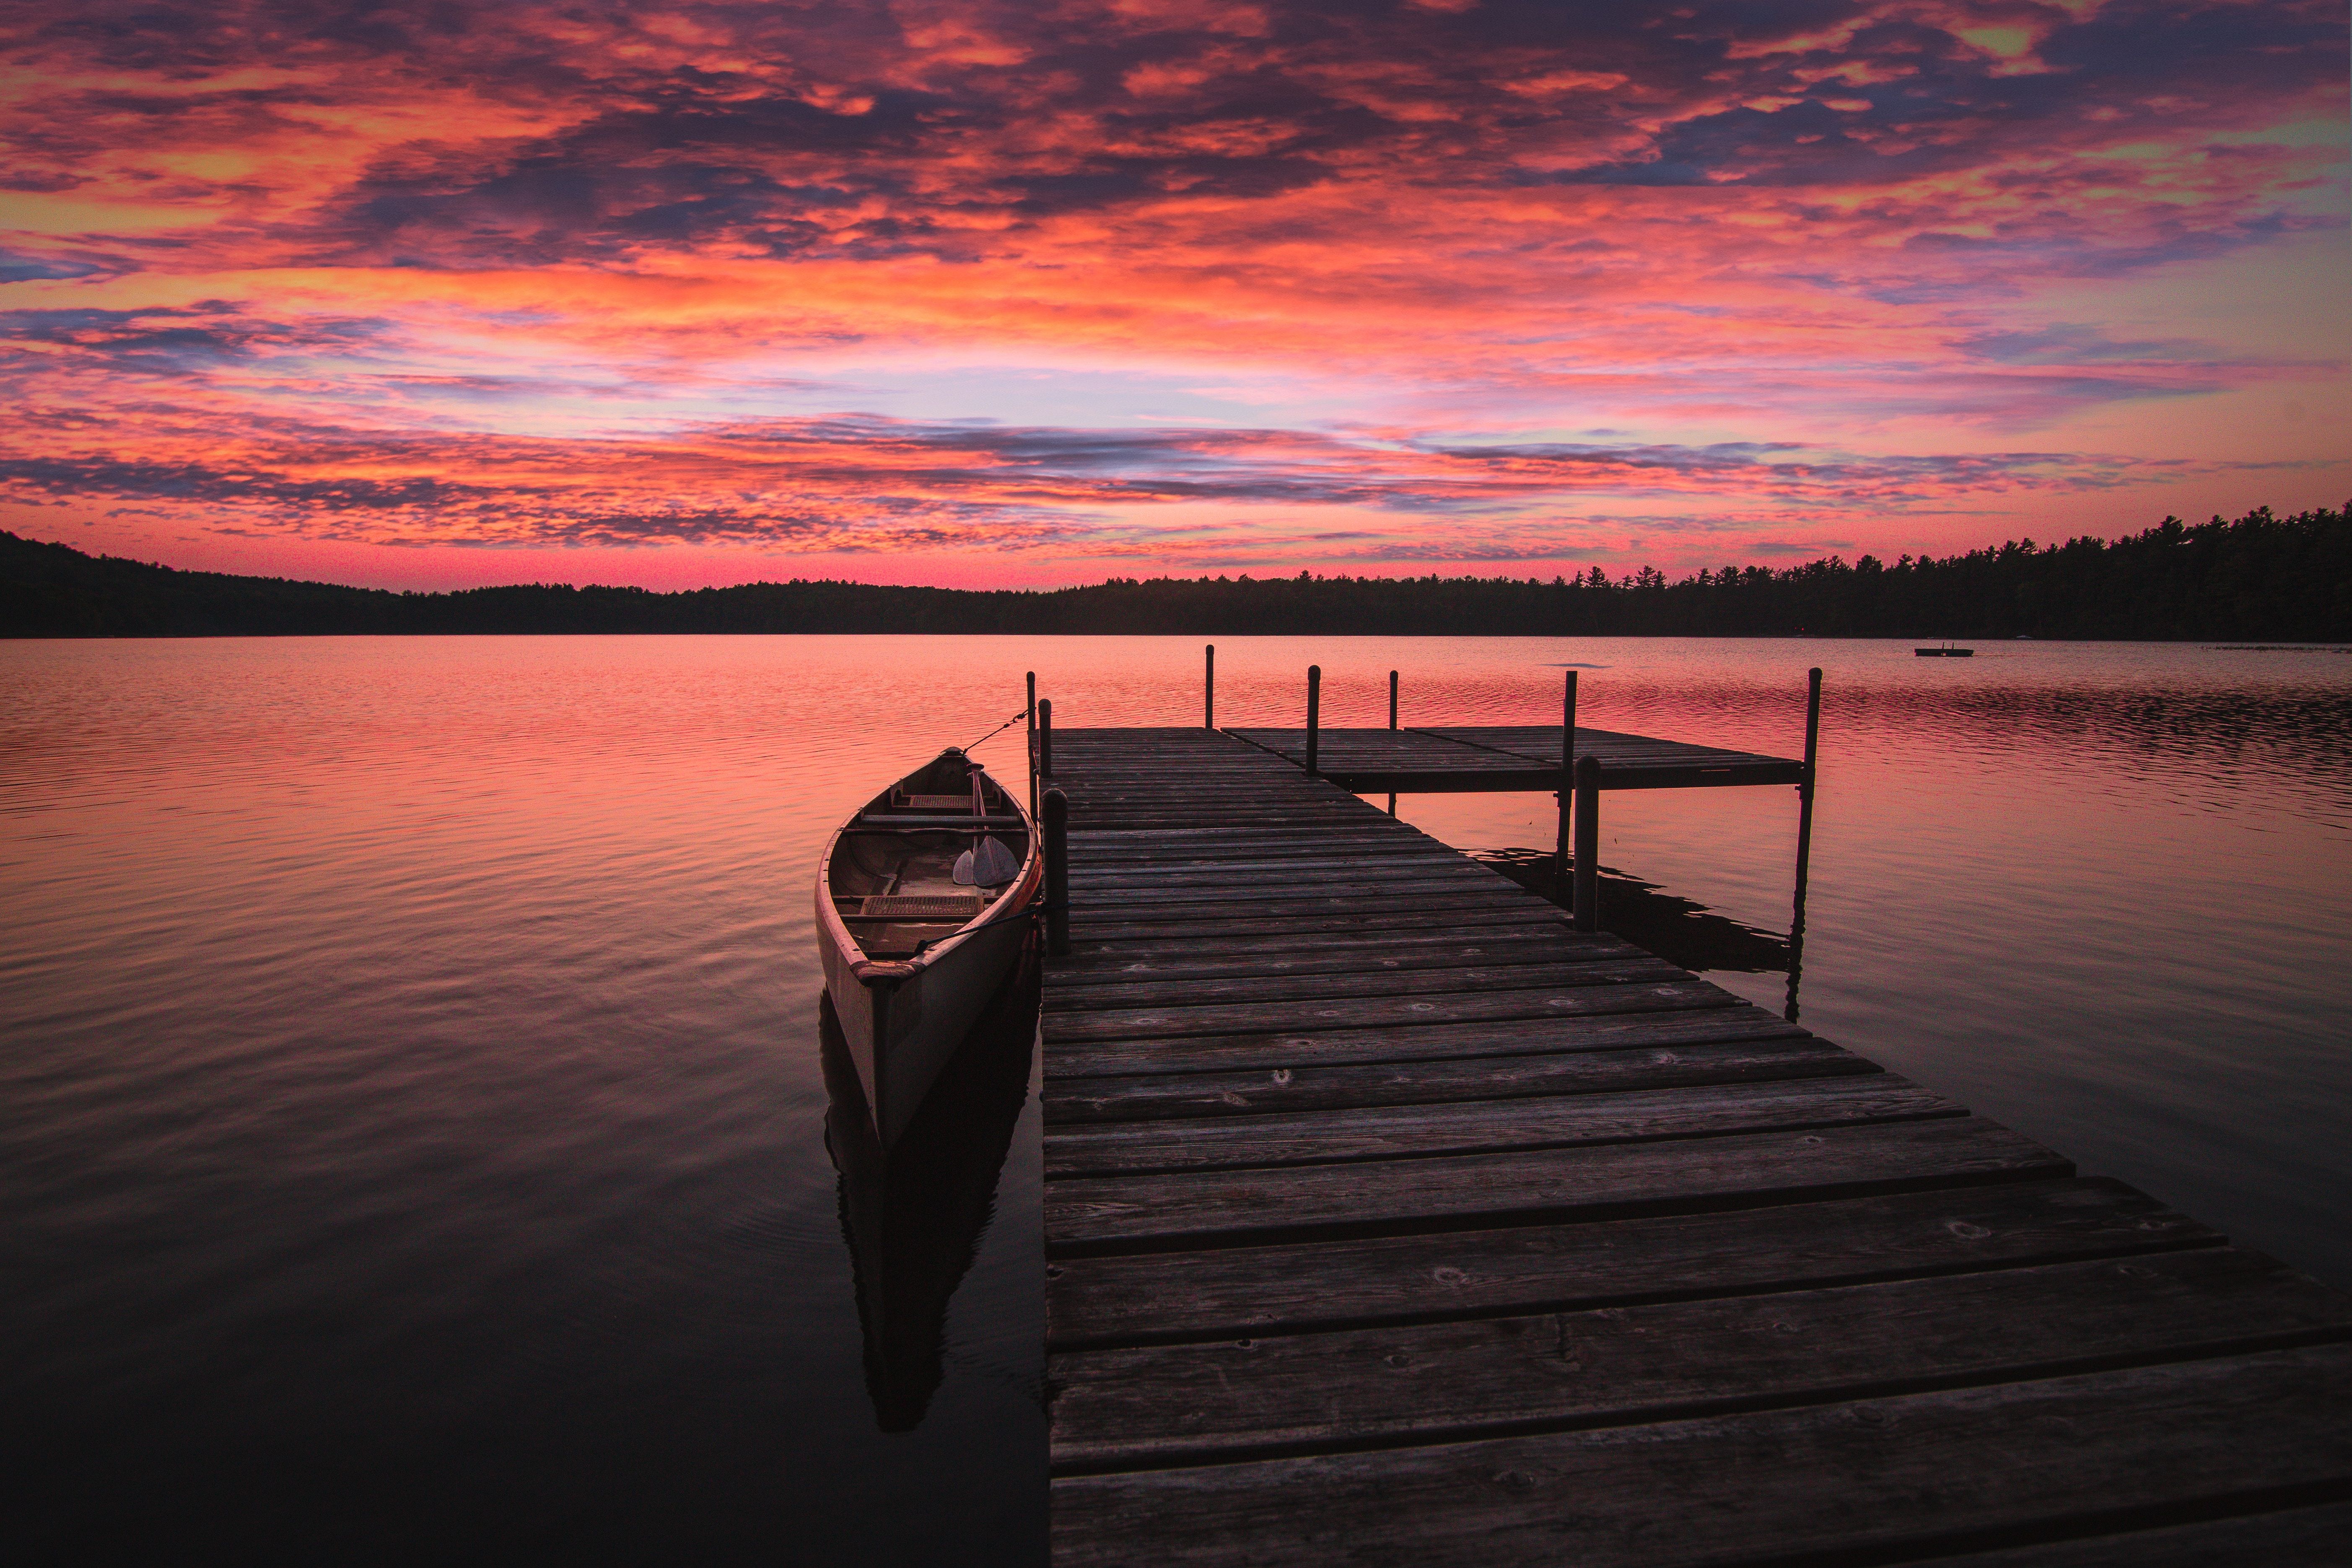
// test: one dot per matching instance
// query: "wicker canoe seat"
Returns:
(907, 801)
(913, 906)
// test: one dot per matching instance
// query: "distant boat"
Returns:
(1947, 651)
(922, 901)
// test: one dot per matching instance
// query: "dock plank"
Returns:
(1492, 1125)
(1948, 1470)
(1703, 1015)
(1449, 1381)
(1190, 1208)
(2293, 1538)
(1611, 985)
(1568, 967)
(1072, 1100)
(1126, 964)
(1160, 1297)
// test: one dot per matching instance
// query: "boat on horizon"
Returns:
(923, 901)
(1947, 651)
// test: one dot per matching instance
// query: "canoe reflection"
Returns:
(912, 1217)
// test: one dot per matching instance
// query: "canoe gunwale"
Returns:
(891, 972)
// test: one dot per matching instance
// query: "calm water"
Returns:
(416, 1132)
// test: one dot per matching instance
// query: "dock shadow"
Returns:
(1675, 928)
(912, 1217)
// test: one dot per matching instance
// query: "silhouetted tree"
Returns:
(2260, 577)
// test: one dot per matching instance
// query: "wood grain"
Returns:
(1535, 1121)
(1240, 1290)
(1445, 1382)
(1071, 1102)
(1228, 1207)
(1917, 1472)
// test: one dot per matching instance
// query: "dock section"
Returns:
(1470, 759)
(1390, 1220)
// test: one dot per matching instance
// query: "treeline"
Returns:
(2259, 578)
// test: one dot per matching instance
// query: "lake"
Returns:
(416, 1114)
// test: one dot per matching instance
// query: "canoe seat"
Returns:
(916, 906)
(931, 802)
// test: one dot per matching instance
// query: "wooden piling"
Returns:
(1314, 713)
(1209, 687)
(1057, 872)
(1033, 743)
(1393, 724)
(1566, 775)
(1588, 844)
(1045, 739)
(1804, 836)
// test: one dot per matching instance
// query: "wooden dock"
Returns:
(1390, 1220)
(1471, 759)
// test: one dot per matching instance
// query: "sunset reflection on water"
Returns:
(413, 1044)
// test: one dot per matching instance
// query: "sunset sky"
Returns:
(441, 294)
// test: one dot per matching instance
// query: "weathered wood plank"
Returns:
(1376, 827)
(1108, 927)
(2293, 1538)
(1696, 1011)
(1568, 967)
(1540, 1122)
(1131, 1409)
(1088, 912)
(1130, 963)
(1170, 895)
(1595, 987)
(1250, 873)
(1246, 1290)
(1234, 1207)
(1261, 867)
(1940, 1470)
(1084, 1101)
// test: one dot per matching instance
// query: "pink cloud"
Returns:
(721, 275)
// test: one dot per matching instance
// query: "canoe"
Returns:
(922, 907)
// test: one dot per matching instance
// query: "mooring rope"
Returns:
(1016, 718)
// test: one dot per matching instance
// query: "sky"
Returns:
(432, 293)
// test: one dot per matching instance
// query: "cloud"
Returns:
(862, 483)
(1747, 251)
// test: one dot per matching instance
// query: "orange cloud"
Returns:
(452, 274)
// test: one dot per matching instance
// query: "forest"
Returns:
(2259, 577)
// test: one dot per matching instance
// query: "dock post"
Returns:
(1045, 739)
(1033, 743)
(1588, 844)
(1057, 872)
(1393, 724)
(1314, 714)
(1804, 835)
(1566, 775)
(1209, 691)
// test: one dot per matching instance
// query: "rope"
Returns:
(998, 731)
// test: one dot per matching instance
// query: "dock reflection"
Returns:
(1676, 928)
(913, 1216)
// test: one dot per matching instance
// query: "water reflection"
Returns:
(1676, 928)
(913, 1215)
(388, 1030)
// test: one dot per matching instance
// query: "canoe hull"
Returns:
(900, 1034)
